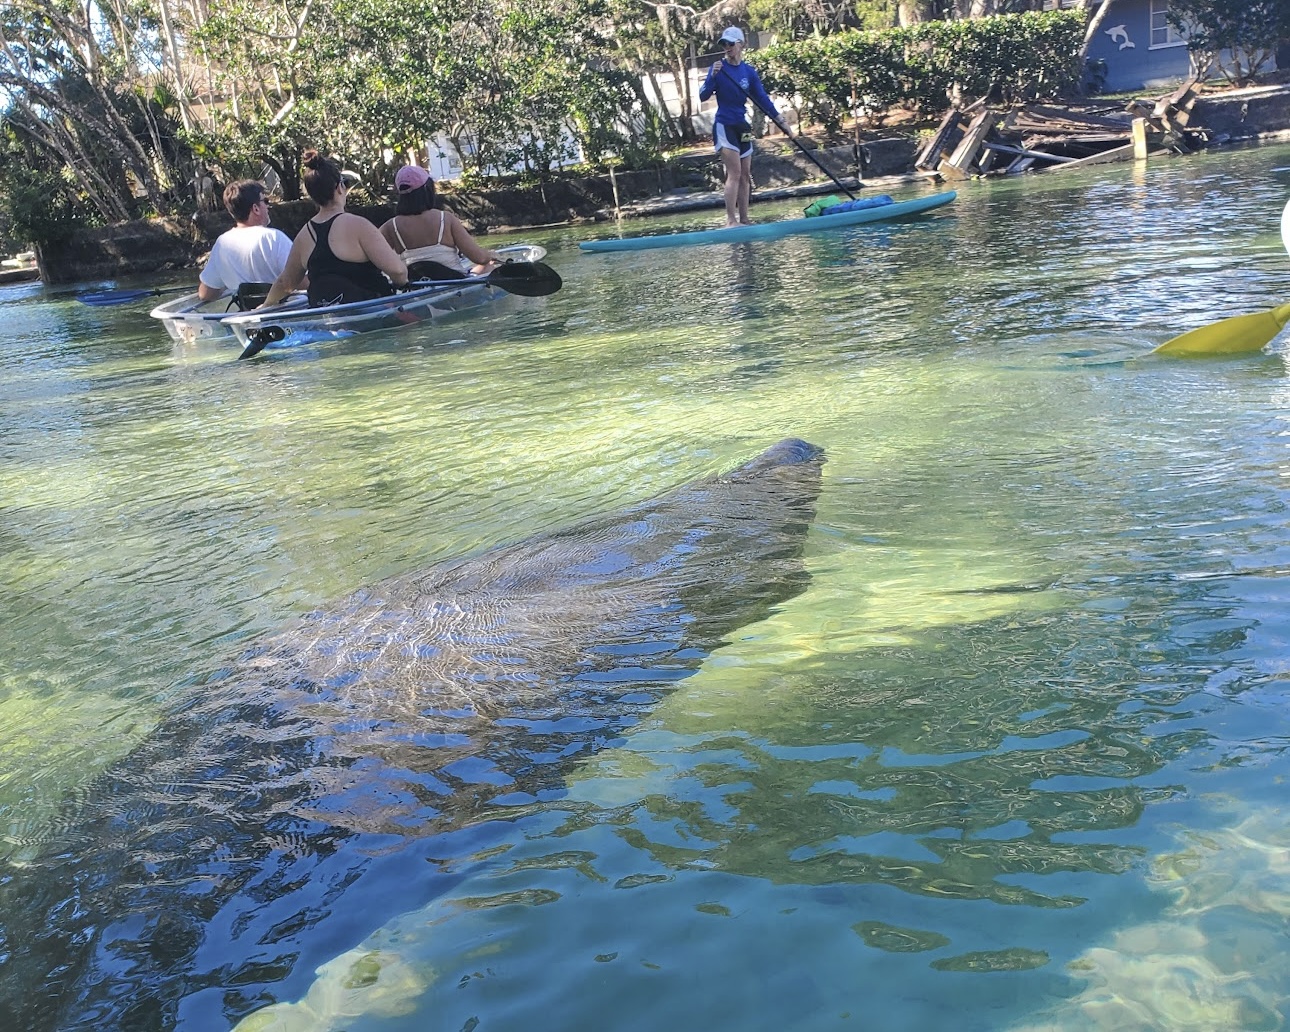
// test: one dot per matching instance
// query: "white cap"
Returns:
(734, 34)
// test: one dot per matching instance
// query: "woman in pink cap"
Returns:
(433, 243)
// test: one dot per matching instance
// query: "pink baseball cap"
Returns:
(409, 177)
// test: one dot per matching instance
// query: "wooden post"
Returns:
(855, 126)
(613, 182)
(1139, 139)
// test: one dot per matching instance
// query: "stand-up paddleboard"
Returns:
(773, 230)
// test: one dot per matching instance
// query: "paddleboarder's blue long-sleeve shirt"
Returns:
(733, 85)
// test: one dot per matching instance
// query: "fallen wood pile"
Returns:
(980, 140)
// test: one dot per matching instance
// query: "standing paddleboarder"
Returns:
(735, 82)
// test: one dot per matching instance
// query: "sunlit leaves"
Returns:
(1241, 33)
(1006, 57)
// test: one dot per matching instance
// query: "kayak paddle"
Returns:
(1239, 335)
(784, 129)
(103, 298)
(528, 279)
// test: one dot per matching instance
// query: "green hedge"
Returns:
(1006, 57)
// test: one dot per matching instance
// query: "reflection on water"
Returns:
(1010, 759)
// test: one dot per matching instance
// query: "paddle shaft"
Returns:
(784, 129)
(105, 298)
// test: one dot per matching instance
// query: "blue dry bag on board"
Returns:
(865, 202)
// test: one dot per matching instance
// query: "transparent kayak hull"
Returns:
(190, 318)
(285, 329)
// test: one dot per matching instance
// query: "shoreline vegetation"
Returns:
(141, 123)
(685, 182)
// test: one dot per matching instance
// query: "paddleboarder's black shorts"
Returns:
(737, 138)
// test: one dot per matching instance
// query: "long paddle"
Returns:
(528, 279)
(784, 129)
(103, 298)
(1239, 335)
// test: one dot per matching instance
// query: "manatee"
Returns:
(188, 882)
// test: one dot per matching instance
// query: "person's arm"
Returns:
(208, 285)
(380, 253)
(758, 93)
(290, 277)
(466, 244)
(710, 83)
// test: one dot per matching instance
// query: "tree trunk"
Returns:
(176, 64)
(1095, 23)
(672, 132)
(911, 12)
(684, 120)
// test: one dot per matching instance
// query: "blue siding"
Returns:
(1131, 67)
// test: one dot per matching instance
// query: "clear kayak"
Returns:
(275, 328)
(190, 318)
(773, 230)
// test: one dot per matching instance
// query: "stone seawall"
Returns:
(1245, 114)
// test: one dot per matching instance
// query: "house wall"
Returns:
(1123, 43)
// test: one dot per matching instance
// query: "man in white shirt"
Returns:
(250, 252)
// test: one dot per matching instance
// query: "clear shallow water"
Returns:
(1013, 758)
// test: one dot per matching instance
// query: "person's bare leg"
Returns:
(745, 188)
(734, 181)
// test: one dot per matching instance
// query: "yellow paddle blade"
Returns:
(1239, 335)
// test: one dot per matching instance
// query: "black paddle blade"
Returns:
(528, 279)
(261, 339)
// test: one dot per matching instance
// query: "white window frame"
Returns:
(1171, 36)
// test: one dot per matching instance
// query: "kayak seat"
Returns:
(251, 295)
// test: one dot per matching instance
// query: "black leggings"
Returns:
(433, 270)
(333, 289)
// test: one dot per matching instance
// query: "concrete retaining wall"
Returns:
(1244, 114)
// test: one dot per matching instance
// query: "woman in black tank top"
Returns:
(345, 256)
(334, 281)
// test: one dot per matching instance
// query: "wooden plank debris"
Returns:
(1005, 149)
(959, 164)
(947, 137)
(979, 140)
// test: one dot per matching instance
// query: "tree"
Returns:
(79, 99)
(1239, 36)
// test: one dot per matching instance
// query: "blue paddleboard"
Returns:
(773, 230)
